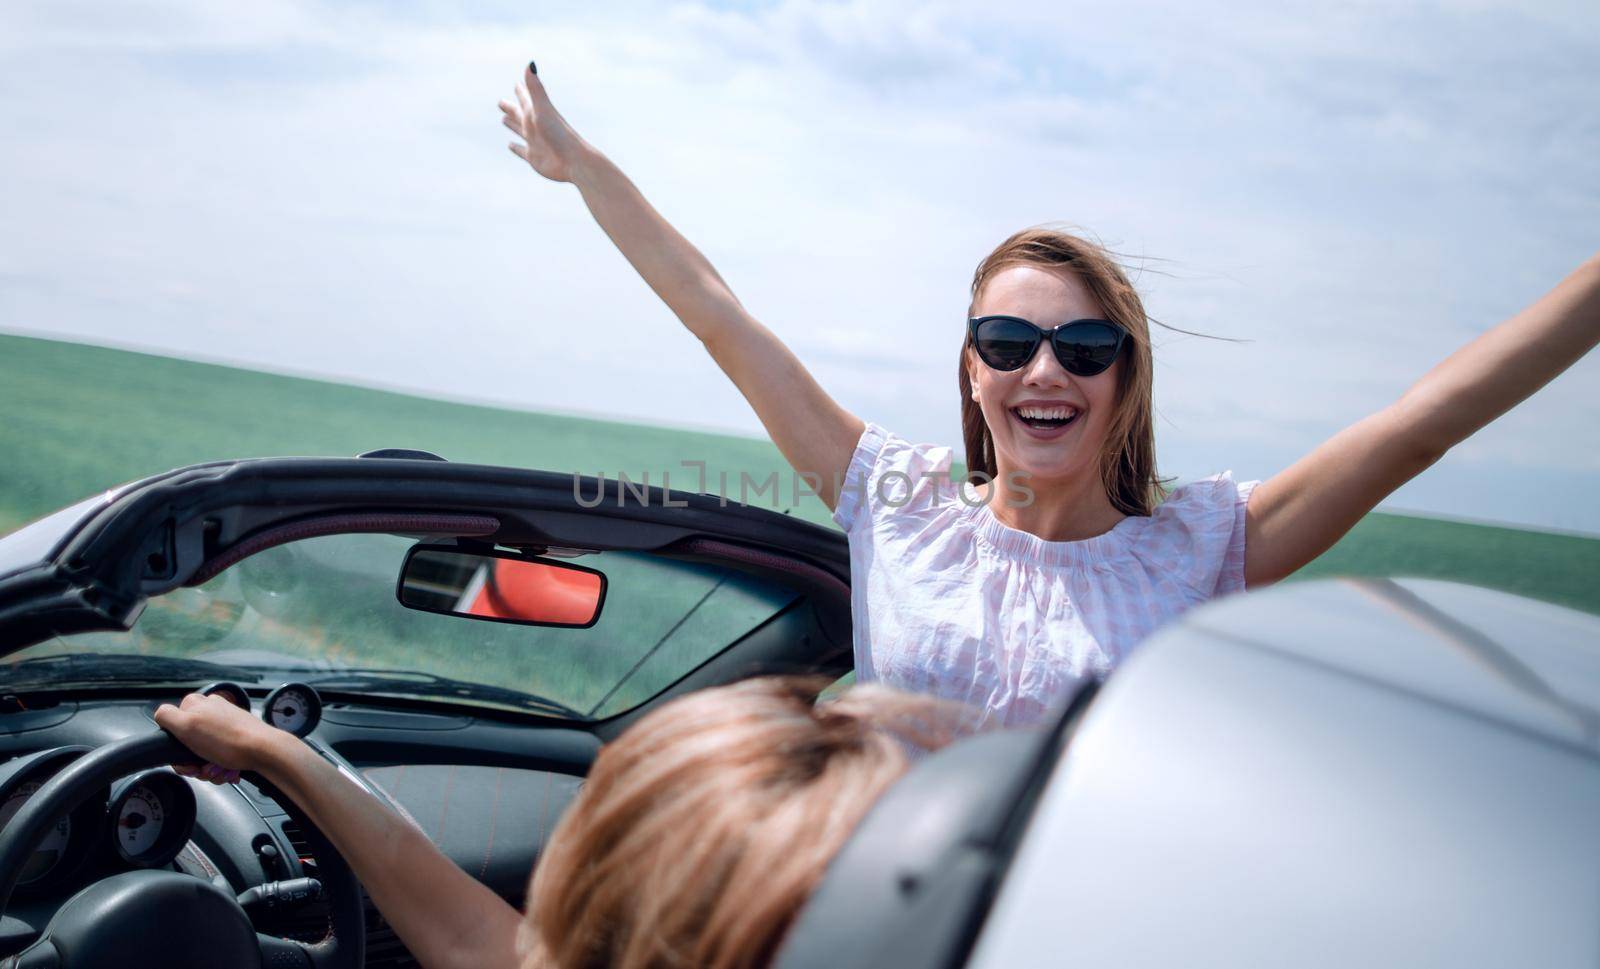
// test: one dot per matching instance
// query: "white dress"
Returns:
(948, 600)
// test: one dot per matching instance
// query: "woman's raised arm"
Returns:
(814, 433)
(1303, 510)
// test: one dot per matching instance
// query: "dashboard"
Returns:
(145, 819)
(487, 790)
(142, 822)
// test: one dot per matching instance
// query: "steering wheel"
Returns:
(148, 919)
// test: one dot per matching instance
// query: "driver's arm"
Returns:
(443, 915)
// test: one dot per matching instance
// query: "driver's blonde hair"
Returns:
(701, 831)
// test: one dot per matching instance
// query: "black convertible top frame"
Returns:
(181, 527)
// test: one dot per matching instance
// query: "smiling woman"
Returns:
(1009, 604)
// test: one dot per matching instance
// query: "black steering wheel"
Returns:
(148, 919)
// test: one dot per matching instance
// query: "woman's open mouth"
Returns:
(1045, 422)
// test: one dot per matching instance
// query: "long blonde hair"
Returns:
(1128, 457)
(701, 831)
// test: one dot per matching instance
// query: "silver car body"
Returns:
(1350, 773)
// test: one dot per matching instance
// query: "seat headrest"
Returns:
(917, 870)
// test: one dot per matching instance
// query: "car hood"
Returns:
(34, 544)
(1331, 773)
(1515, 660)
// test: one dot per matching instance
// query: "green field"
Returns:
(77, 419)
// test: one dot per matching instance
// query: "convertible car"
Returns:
(1324, 773)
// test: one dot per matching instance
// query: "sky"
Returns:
(1346, 193)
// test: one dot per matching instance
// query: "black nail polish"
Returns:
(532, 69)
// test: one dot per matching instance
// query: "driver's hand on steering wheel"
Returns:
(229, 738)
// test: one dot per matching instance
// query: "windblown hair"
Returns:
(702, 830)
(1128, 457)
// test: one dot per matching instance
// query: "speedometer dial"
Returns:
(294, 707)
(152, 815)
(139, 821)
(51, 847)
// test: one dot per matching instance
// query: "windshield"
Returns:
(324, 611)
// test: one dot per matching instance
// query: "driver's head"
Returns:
(701, 831)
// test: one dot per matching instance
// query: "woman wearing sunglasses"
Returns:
(1058, 553)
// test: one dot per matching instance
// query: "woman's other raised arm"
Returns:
(1299, 513)
(814, 433)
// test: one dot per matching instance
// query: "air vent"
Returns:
(298, 843)
(310, 922)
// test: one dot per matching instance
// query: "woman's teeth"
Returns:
(1045, 417)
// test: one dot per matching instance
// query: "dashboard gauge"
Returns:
(138, 820)
(294, 707)
(63, 847)
(51, 848)
(152, 815)
(232, 692)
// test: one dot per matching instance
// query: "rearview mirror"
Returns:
(500, 587)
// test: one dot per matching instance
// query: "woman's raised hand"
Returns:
(229, 738)
(548, 145)
(809, 427)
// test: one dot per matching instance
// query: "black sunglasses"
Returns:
(1084, 347)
